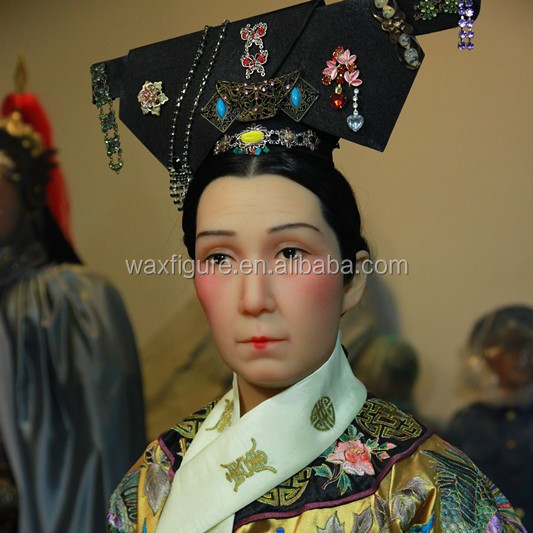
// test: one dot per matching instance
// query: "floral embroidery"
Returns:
(354, 456)
(401, 508)
(157, 483)
(333, 525)
(363, 521)
(124, 509)
(156, 487)
(351, 456)
(122, 515)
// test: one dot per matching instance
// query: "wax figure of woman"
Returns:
(263, 456)
(297, 444)
(69, 374)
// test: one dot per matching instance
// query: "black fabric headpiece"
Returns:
(298, 42)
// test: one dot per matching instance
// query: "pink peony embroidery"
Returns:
(354, 458)
(350, 456)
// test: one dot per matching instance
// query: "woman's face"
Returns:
(271, 329)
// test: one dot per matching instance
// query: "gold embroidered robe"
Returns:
(386, 473)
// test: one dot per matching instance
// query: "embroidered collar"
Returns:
(262, 449)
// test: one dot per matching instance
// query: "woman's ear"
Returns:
(354, 290)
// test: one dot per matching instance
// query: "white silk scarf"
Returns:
(230, 465)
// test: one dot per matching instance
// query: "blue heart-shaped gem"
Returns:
(355, 122)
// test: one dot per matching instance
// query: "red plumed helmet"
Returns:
(56, 192)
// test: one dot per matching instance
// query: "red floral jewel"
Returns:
(341, 69)
(253, 35)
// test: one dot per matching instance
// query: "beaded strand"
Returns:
(180, 179)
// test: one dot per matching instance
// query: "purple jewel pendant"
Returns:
(466, 25)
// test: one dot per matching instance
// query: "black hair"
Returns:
(316, 173)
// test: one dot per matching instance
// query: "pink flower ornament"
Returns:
(354, 458)
(353, 78)
(331, 69)
(346, 58)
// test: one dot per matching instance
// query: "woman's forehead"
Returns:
(269, 197)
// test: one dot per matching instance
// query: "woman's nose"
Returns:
(256, 295)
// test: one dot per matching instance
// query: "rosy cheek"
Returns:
(209, 289)
(321, 292)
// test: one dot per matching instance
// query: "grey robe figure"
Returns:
(71, 407)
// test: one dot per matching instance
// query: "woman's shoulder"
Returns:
(386, 466)
(140, 496)
(434, 466)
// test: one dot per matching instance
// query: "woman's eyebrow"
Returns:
(293, 225)
(281, 227)
(216, 232)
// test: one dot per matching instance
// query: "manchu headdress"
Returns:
(300, 77)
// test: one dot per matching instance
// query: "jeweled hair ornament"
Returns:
(256, 139)
(393, 21)
(104, 102)
(151, 97)
(427, 10)
(269, 68)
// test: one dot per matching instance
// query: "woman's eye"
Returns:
(218, 258)
(291, 253)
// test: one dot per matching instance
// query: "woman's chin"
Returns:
(269, 378)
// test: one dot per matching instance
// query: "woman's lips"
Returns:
(261, 343)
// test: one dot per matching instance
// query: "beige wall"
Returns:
(452, 193)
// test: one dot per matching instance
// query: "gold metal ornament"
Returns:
(323, 414)
(16, 127)
(151, 97)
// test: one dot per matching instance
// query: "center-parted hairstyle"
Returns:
(315, 173)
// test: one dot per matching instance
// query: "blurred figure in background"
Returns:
(497, 430)
(71, 408)
(388, 367)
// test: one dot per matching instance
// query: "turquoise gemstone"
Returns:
(221, 108)
(296, 98)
